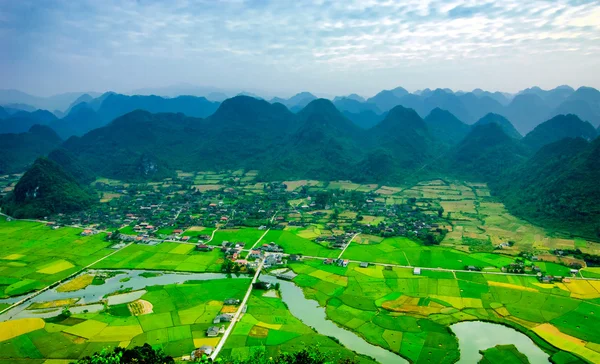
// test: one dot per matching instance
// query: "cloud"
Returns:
(329, 38)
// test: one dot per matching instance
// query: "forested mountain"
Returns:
(485, 153)
(138, 145)
(506, 125)
(22, 121)
(46, 189)
(405, 135)
(317, 142)
(72, 166)
(557, 187)
(18, 151)
(445, 127)
(364, 119)
(86, 116)
(557, 128)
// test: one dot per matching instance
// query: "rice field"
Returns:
(409, 314)
(34, 255)
(177, 323)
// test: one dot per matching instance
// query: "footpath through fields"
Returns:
(347, 245)
(237, 315)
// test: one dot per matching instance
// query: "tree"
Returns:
(140, 354)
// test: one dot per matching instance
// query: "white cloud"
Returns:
(320, 37)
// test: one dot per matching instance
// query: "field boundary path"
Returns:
(441, 269)
(34, 294)
(236, 317)
(347, 245)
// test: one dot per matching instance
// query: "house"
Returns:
(212, 331)
(256, 254)
(185, 238)
(295, 258)
(417, 271)
(364, 265)
(203, 350)
(574, 271)
(472, 268)
(86, 232)
(225, 317)
(177, 231)
(232, 301)
(328, 261)
(202, 247)
(343, 262)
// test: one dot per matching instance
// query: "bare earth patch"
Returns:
(140, 307)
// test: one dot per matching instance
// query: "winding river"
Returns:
(473, 336)
(309, 312)
(478, 335)
(90, 296)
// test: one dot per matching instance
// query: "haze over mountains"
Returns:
(394, 137)
(82, 112)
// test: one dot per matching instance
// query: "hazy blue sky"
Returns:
(362, 46)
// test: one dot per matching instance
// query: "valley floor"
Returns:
(395, 292)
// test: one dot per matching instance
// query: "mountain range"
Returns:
(318, 141)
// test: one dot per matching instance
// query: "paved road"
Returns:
(237, 315)
(347, 245)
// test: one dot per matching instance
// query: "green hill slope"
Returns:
(46, 189)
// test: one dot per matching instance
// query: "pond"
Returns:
(309, 312)
(478, 335)
(130, 280)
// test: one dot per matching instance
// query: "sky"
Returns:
(287, 46)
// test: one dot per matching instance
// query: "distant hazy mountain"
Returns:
(526, 111)
(60, 101)
(444, 126)
(81, 99)
(3, 113)
(500, 97)
(98, 112)
(296, 102)
(79, 121)
(18, 151)
(478, 106)
(447, 101)
(22, 121)
(46, 189)
(585, 103)
(553, 97)
(387, 99)
(506, 125)
(557, 128)
(15, 108)
(354, 97)
(558, 187)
